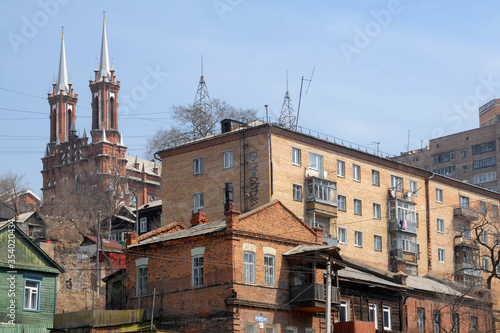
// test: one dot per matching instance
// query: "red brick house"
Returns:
(262, 270)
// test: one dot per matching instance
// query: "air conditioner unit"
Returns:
(407, 195)
(194, 211)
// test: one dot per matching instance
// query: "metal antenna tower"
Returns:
(287, 117)
(202, 109)
(300, 94)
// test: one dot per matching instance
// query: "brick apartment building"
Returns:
(384, 213)
(71, 161)
(470, 156)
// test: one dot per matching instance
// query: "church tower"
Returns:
(62, 103)
(105, 97)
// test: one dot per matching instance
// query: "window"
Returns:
(463, 201)
(440, 225)
(474, 325)
(373, 314)
(198, 200)
(421, 320)
(484, 236)
(486, 264)
(340, 168)
(227, 159)
(315, 161)
(309, 330)
(439, 195)
(342, 235)
(402, 210)
(441, 255)
(143, 224)
(249, 267)
(142, 280)
(464, 154)
(446, 170)
(250, 328)
(482, 207)
(357, 206)
(31, 294)
(295, 156)
(356, 172)
(198, 165)
(397, 183)
(269, 270)
(358, 238)
(290, 329)
(341, 203)
(376, 211)
(444, 157)
(494, 210)
(270, 329)
(375, 177)
(456, 323)
(485, 177)
(198, 271)
(132, 200)
(377, 245)
(436, 321)
(297, 192)
(344, 311)
(387, 317)
(465, 168)
(413, 187)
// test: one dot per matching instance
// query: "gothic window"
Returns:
(95, 113)
(112, 113)
(69, 121)
(133, 200)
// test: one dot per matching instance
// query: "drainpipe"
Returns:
(328, 310)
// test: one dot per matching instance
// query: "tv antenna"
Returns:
(300, 94)
(287, 117)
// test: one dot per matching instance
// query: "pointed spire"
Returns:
(104, 69)
(104, 139)
(47, 151)
(121, 141)
(84, 134)
(143, 170)
(62, 80)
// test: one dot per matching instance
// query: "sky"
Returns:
(381, 74)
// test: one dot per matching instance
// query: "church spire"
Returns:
(62, 80)
(104, 68)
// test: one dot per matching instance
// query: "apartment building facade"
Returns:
(385, 213)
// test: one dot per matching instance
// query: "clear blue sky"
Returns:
(381, 67)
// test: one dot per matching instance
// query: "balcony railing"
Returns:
(468, 269)
(395, 225)
(465, 213)
(409, 257)
(312, 293)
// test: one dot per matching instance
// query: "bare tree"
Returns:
(12, 185)
(195, 123)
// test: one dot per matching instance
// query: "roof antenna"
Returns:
(202, 65)
(300, 94)
(287, 116)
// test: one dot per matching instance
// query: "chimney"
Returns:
(400, 278)
(319, 235)
(228, 196)
(131, 238)
(198, 218)
(16, 218)
(232, 216)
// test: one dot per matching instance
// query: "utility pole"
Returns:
(97, 273)
(328, 310)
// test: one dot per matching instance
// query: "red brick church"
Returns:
(70, 160)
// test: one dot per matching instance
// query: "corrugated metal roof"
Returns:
(305, 248)
(357, 275)
(426, 284)
(201, 229)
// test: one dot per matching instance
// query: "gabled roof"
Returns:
(107, 244)
(56, 267)
(152, 204)
(148, 165)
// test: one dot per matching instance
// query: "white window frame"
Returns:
(485, 264)
(356, 172)
(198, 270)
(197, 165)
(387, 323)
(397, 183)
(143, 224)
(141, 278)
(198, 200)
(291, 329)
(272, 328)
(269, 270)
(249, 267)
(310, 330)
(373, 312)
(316, 161)
(375, 177)
(358, 207)
(340, 168)
(342, 232)
(377, 239)
(296, 156)
(341, 203)
(250, 328)
(297, 192)
(30, 291)
(358, 238)
(463, 201)
(344, 304)
(441, 255)
(414, 187)
(377, 211)
(227, 159)
(440, 225)
(421, 319)
(439, 195)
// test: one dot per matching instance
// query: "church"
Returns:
(99, 161)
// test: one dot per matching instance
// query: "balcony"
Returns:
(401, 195)
(465, 213)
(408, 257)
(470, 269)
(395, 225)
(321, 196)
(465, 242)
(312, 297)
